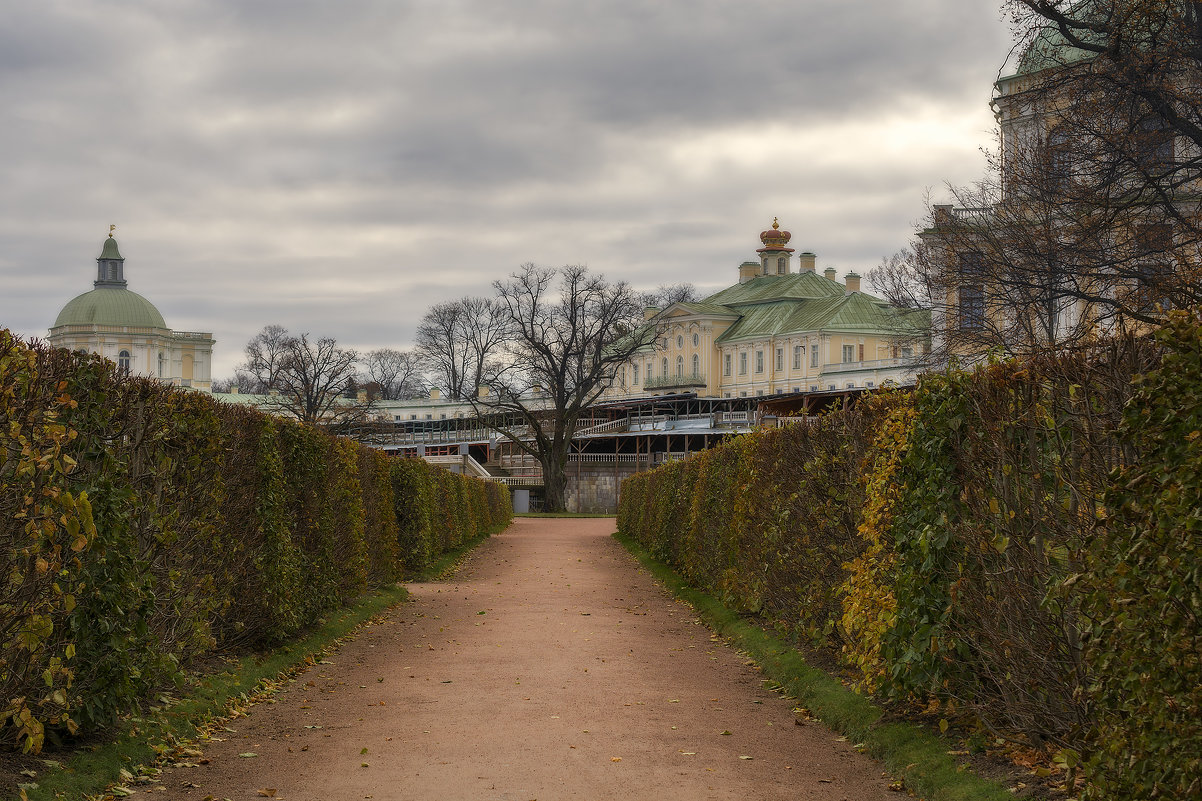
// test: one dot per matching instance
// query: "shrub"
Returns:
(144, 525)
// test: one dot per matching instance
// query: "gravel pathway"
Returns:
(550, 667)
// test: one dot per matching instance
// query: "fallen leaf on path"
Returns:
(725, 732)
(615, 759)
(248, 754)
(267, 792)
(363, 750)
(744, 756)
(689, 753)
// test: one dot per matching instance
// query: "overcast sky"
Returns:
(337, 167)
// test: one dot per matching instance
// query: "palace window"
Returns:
(634, 373)
(161, 360)
(679, 366)
(814, 355)
(726, 364)
(123, 360)
(849, 353)
(780, 358)
(759, 361)
(1153, 143)
(1153, 271)
(972, 307)
(797, 351)
(665, 366)
(696, 340)
(679, 341)
(742, 364)
(696, 364)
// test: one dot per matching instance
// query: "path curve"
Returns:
(550, 667)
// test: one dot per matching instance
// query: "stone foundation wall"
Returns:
(594, 487)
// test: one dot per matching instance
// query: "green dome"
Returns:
(1050, 49)
(111, 306)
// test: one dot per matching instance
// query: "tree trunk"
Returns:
(555, 481)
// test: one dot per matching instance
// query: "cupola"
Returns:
(774, 255)
(110, 267)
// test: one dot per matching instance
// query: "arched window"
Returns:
(161, 360)
(679, 366)
(635, 373)
(696, 364)
(123, 360)
(780, 265)
(665, 367)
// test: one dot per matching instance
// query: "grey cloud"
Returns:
(258, 154)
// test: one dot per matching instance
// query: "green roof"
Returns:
(705, 308)
(767, 288)
(111, 306)
(109, 251)
(1049, 48)
(854, 312)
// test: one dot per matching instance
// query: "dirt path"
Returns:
(551, 667)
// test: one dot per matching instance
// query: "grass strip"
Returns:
(163, 731)
(564, 514)
(910, 753)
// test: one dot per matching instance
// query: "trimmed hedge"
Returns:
(1016, 546)
(144, 526)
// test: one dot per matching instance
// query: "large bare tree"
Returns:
(264, 354)
(396, 373)
(457, 342)
(566, 333)
(303, 378)
(1088, 223)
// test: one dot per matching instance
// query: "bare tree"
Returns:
(457, 342)
(264, 355)
(665, 295)
(312, 379)
(1088, 223)
(397, 373)
(568, 331)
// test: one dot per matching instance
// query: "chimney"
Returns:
(829, 272)
(805, 262)
(650, 311)
(234, 389)
(853, 282)
(748, 270)
(482, 391)
(435, 394)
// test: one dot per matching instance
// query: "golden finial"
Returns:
(775, 225)
(111, 229)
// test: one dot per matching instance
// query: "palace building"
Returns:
(777, 331)
(125, 327)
